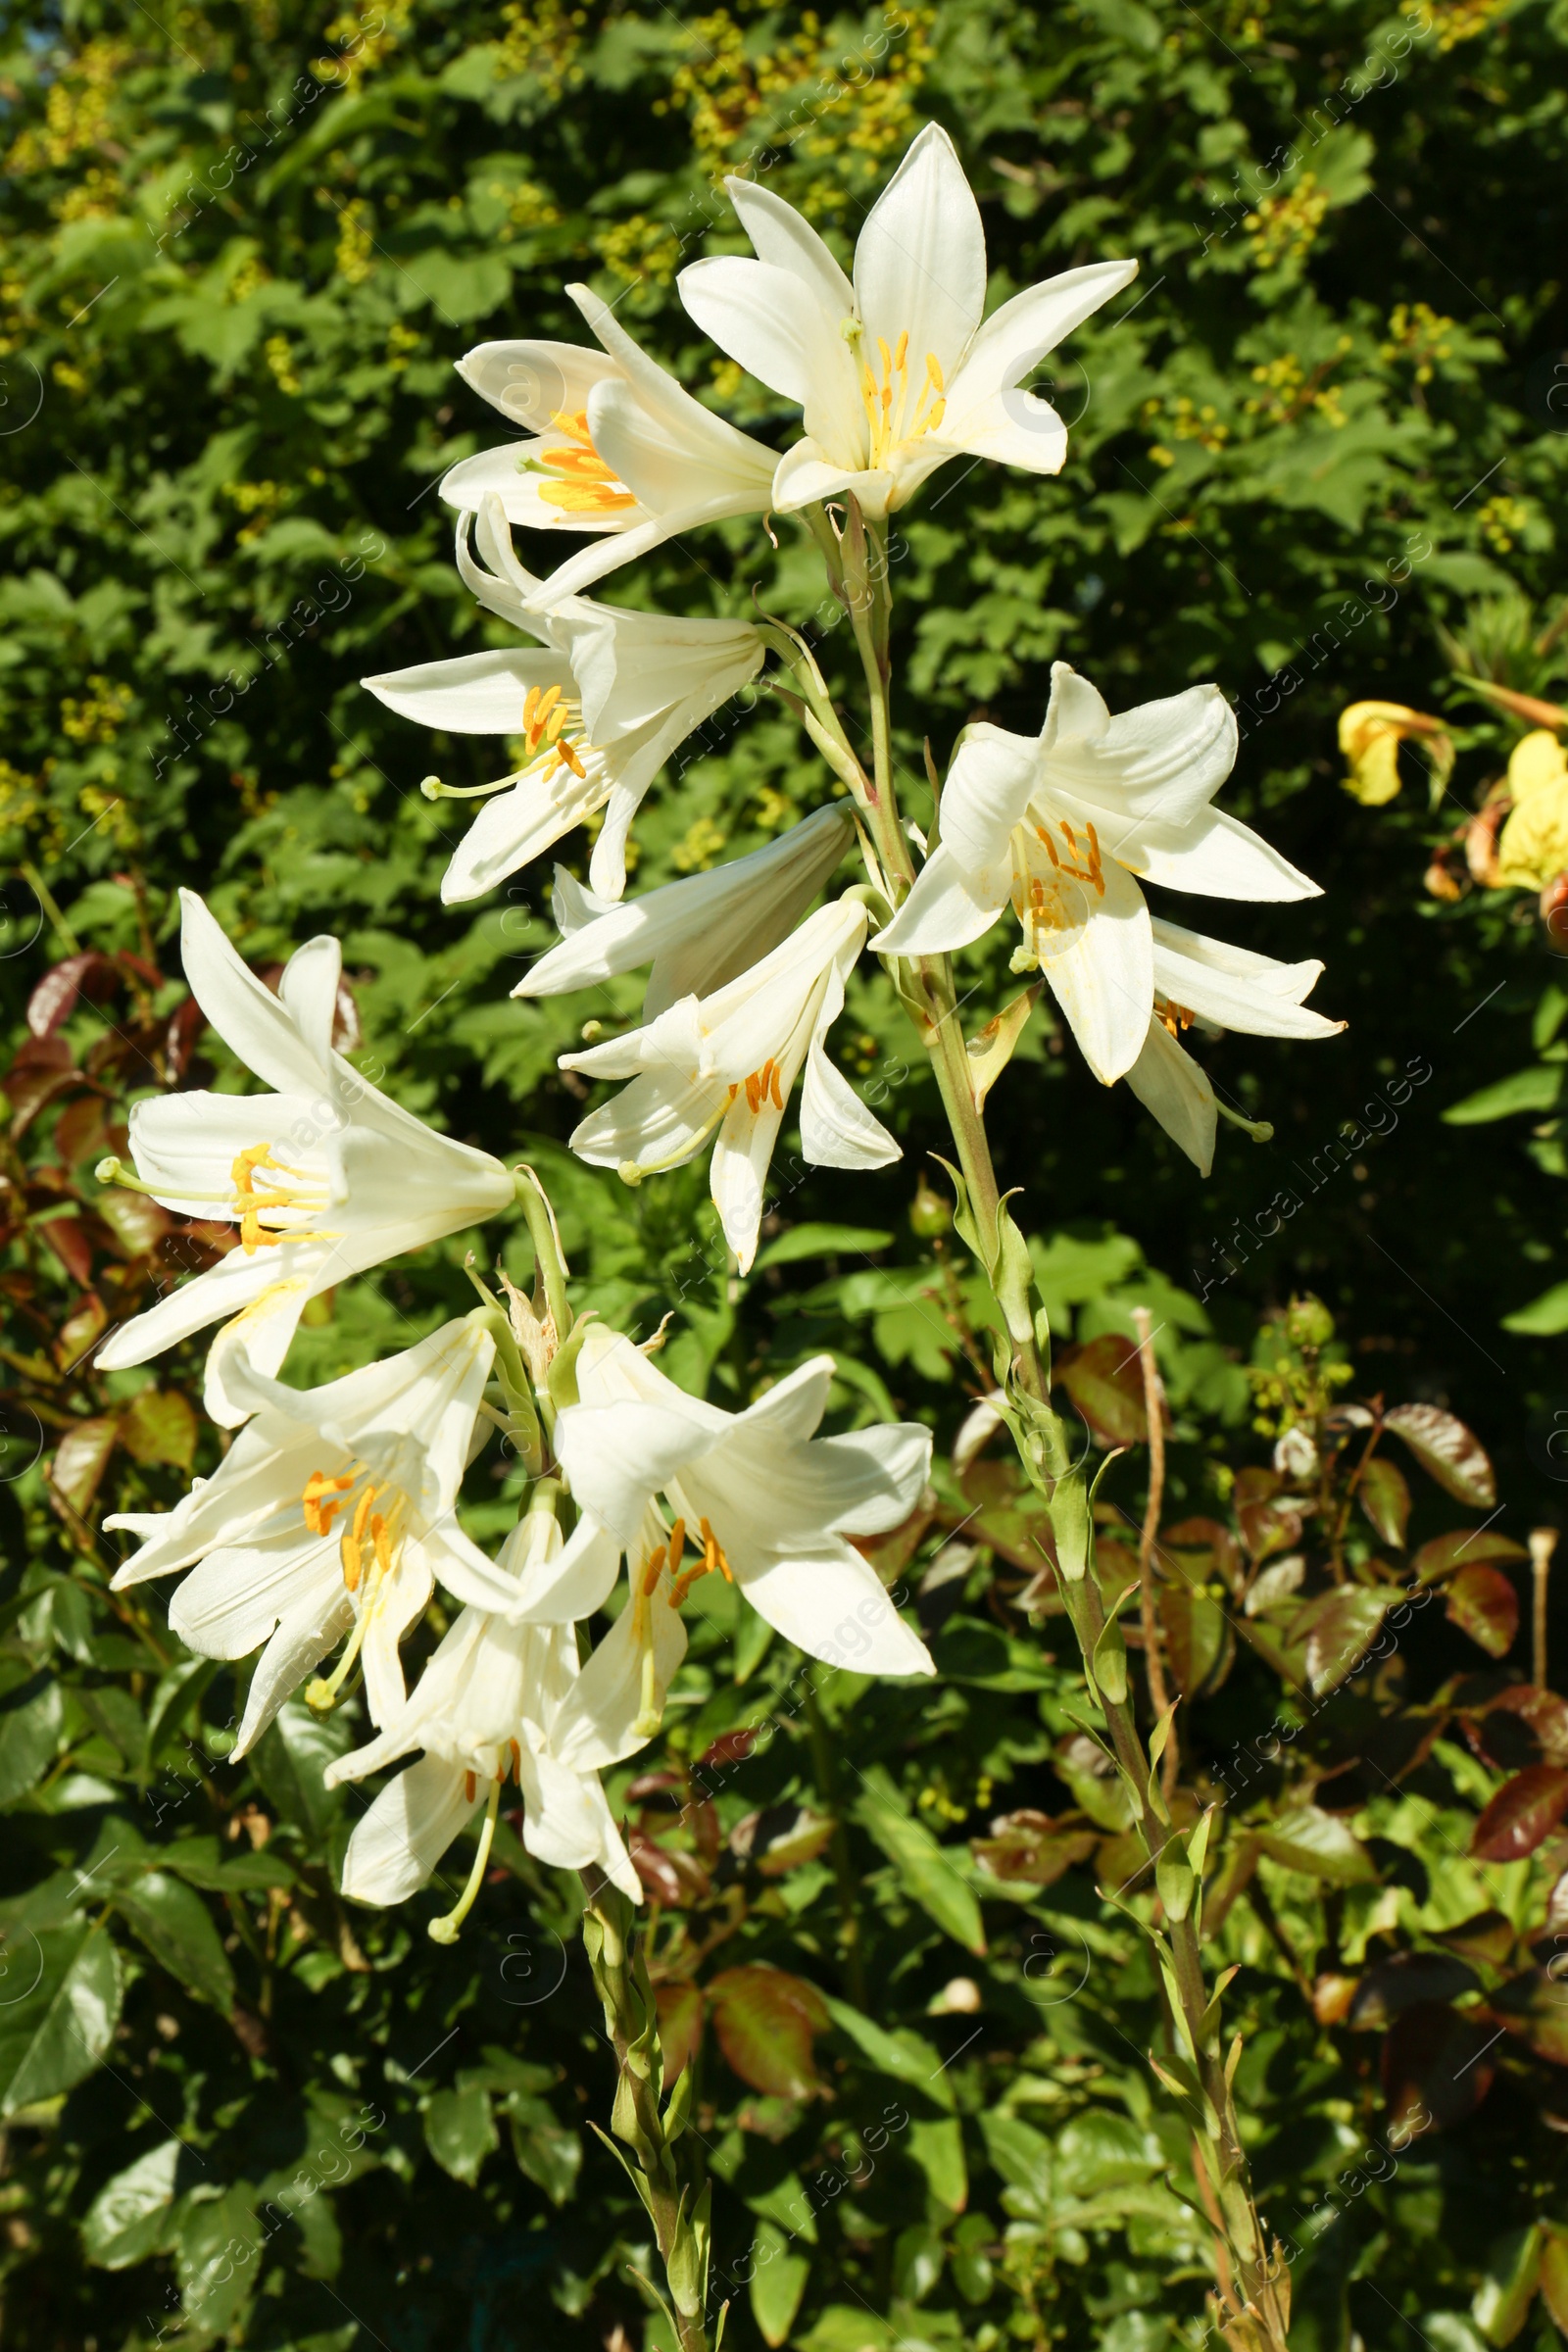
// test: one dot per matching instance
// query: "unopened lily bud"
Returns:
(929, 1213)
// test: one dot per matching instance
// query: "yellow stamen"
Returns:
(318, 1501)
(445, 1929)
(588, 487)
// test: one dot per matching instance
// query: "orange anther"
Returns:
(318, 1500)
(470, 1785)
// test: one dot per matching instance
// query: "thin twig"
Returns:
(1543, 1543)
(1154, 1654)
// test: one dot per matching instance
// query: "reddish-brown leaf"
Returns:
(1446, 1451)
(1532, 2007)
(1195, 1628)
(71, 1242)
(137, 1224)
(1336, 1630)
(186, 1025)
(1463, 1549)
(1106, 1382)
(85, 1130)
(1200, 1548)
(1266, 1526)
(731, 1747)
(80, 1332)
(681, 2026)
(1486, 1937)
(41, 1070)
(159, 1426)
(80, 1459)
(1034, 1849)
(1390, 1987)
(670, 1877)
(1483, 1603)
(1435, 2068)
(52, 1001)
(766, 2021)
(1385, 1499)
(781, 1838)
(1524, 1812)
(1546, 1713)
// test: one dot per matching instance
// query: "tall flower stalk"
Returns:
(1252, 2299)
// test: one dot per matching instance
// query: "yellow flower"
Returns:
(1533, 848)
(1370, 736)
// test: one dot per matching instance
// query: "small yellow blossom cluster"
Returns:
(260, 500)
(528, 204)
(19, 801)
(359, 48)
(281, 359)
(1288, 392)
(356, 246)
(1283, 227)
(402, 342)
(1183, 421)
(804, 94)
(702, 848)
(248, 279)
(96, 196)
(98, 715)
(639, 248)
(1418, 335)
(543, 40)
(76, 111)
(1459, 20)
(1502, 521)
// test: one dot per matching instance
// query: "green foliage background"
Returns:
(242, 248)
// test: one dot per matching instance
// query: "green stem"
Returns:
(665, 2165)
(1251, 2313)
(551, 1263)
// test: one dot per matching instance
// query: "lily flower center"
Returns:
(645, 1584)
(1174, 1017)
(885, 396)
(552, 731)
(762, 1086)
(582, 483)
(252, 1205)
(244, 1200)
(1056, 876)
(368, 1547)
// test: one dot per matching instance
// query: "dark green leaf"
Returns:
(61, 2021)
(175, 1926)
(934, 1878)
(459, 2132)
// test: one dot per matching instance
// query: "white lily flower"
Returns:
(698, 933)
(482, 1713)
(895, 373)
(324, 1177)
(1058, 824)
(599, 709)
(617, 447)
(1231, 988)
(728, 1062)
(331, 1514)
(762, 1501)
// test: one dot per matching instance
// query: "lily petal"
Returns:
(1101, 974)
(920, 261)
(1169, 1083)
